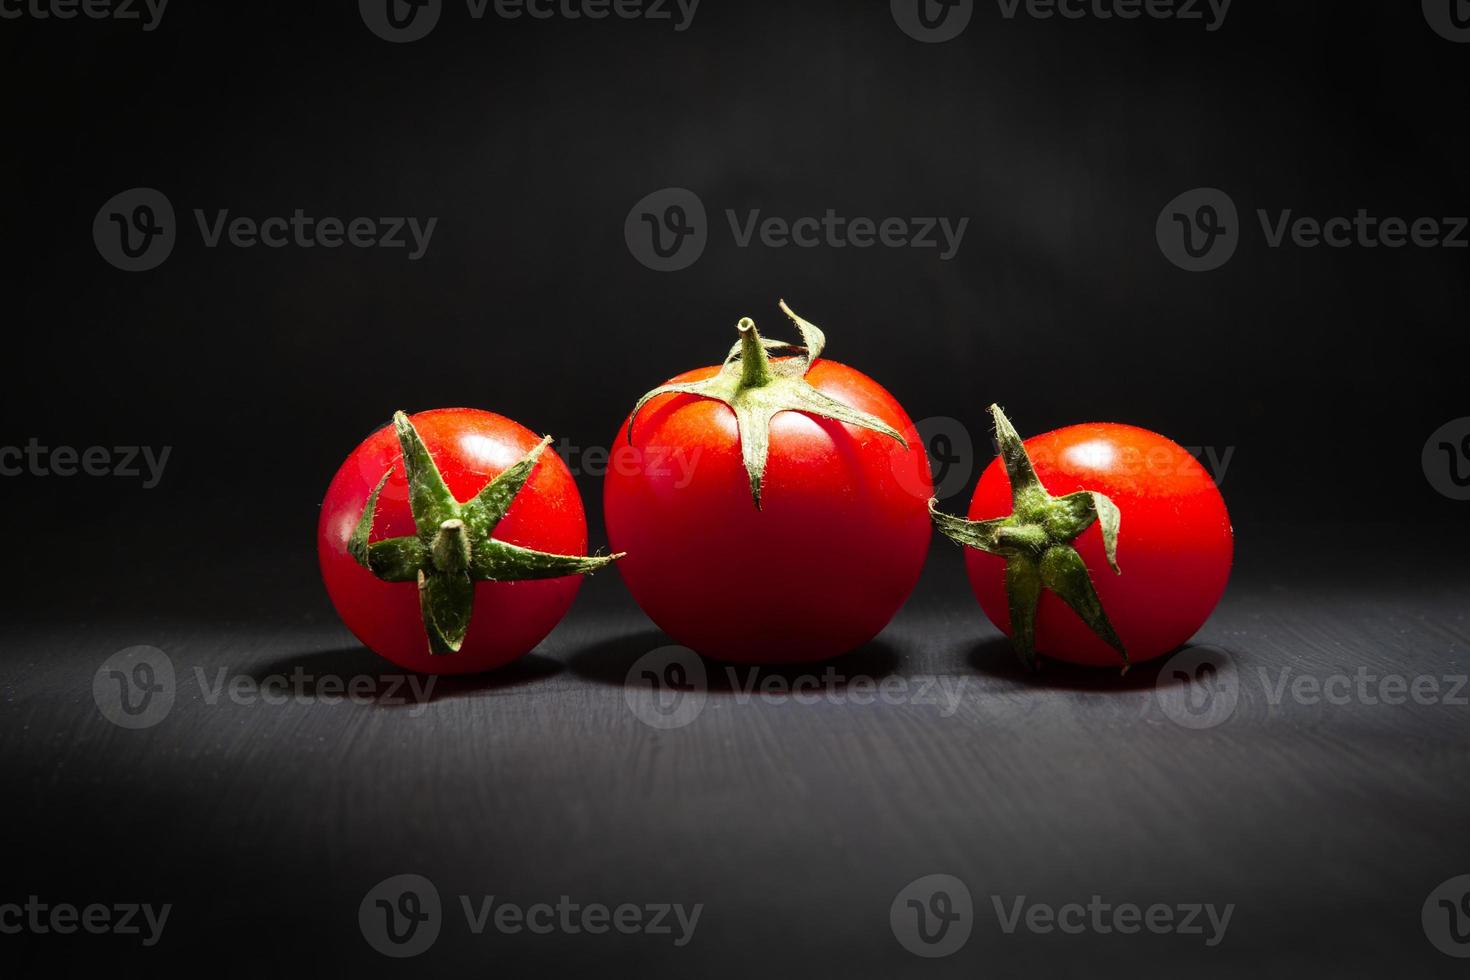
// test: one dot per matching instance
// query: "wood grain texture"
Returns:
(795, 825)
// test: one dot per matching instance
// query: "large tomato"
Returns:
(801, 553)
(528, 591)
(1174, 541)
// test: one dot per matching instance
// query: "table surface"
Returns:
(793, 823)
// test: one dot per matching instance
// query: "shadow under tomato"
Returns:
(390, 686)
(995, 657)
(610, 662)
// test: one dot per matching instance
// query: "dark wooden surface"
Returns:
(795, 825)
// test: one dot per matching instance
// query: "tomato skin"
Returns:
(470, 447)
(1175, 543)
(818, 571)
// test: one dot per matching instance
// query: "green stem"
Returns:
(756, 389)
(1023, 537)
(451, 547)
(1036, 542)
(755, 366)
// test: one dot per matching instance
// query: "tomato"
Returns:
(496, 562)
(1174, 541)
(796, 549)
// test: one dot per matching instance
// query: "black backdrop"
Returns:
(1322, 370)
(1059, 140)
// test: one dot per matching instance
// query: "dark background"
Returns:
(1325, 370)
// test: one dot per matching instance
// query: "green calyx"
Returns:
(1036, 542)
(453, 548)
(756, 388)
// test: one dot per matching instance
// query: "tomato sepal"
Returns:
(757, 388)
(392, 559)
(1036, 542)
(453, 547)
(446, 599)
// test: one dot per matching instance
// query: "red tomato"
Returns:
(470, 448)
(831, 554)
(1175, 542)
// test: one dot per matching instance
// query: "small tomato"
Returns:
(1095, 544)
(450, 542)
